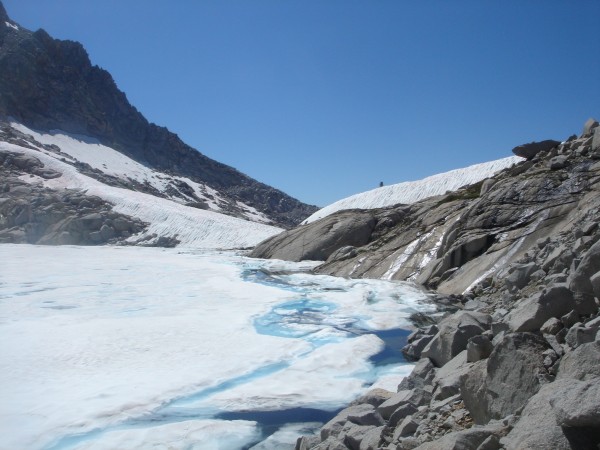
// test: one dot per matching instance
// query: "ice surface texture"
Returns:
(110, 347)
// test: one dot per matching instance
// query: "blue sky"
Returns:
(324, 99)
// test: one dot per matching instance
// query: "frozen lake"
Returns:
(125, 347)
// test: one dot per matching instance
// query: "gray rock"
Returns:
(343, 253)
(531, 313)
(334, 427)
(454, 334)
(307, 442)
(520, 275)
(319, 240)
(551, 326)
(528, 151)
(581, 283)
(537, 427)
(579, 334)
(558, 162)
(570, 319)
(407, 427)
(413, 350)
(479, 347)
(447, 378)
(596, 139)
(583, 363)
(400, 413)
(371, 439)
(577, 404)
(589, 126)
(366, 417)
(469, 439)
(354, 434)
(473, 391)
(491, 443)
(595, 281)
(416, 397)
(374, 397)
(515, 372)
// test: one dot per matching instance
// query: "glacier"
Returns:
(412, 191)
(129, 347)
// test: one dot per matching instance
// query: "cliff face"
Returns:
(48, 84)
(453, 241)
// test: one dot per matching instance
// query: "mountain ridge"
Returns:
(47, 84)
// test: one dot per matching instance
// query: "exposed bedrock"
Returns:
(473, 236)
(517, 367)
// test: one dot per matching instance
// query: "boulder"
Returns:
(558, 162)
(515, 372)
(531, 313)
(334, 427)
(447, 378)
(319, 240)
(469, 439)
(589, 126)
(455, 332)
(415, 397)
(354, 434)
(519, 275)
(579, 334)
(537, 427)
(583, 363)
(551, 326)
(581, 283)
(528, 151)
(479, 347)
(374, 397)
(577, 404)
(596, 139)
(370, 440)
(473, 391)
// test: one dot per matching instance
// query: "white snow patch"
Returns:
(403, 257)
(111, 162)
(10, 25)
(413, 191)
(193, 227)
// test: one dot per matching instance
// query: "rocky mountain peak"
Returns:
(3, 14)
(47, 84)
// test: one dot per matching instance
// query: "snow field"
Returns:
(413, 191)
(110, 347)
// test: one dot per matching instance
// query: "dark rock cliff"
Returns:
(47, 84)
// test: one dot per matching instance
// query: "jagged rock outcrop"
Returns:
(530, 378)
(454, 241)
(48, 84)
(33, 214)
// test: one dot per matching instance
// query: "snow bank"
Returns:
(413, 191)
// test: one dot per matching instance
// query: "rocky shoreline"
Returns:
(517, 366)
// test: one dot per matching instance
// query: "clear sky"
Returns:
(326, 98)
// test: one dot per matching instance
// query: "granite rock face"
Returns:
(472, 238)
(518, 365)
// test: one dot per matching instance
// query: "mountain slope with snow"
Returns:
(51, 84)
(84, 165)
(412, 191)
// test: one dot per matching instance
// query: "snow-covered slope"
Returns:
(83, 149)
(413, 191)
(168, 217)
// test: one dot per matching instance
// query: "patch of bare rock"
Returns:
(517, 366)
